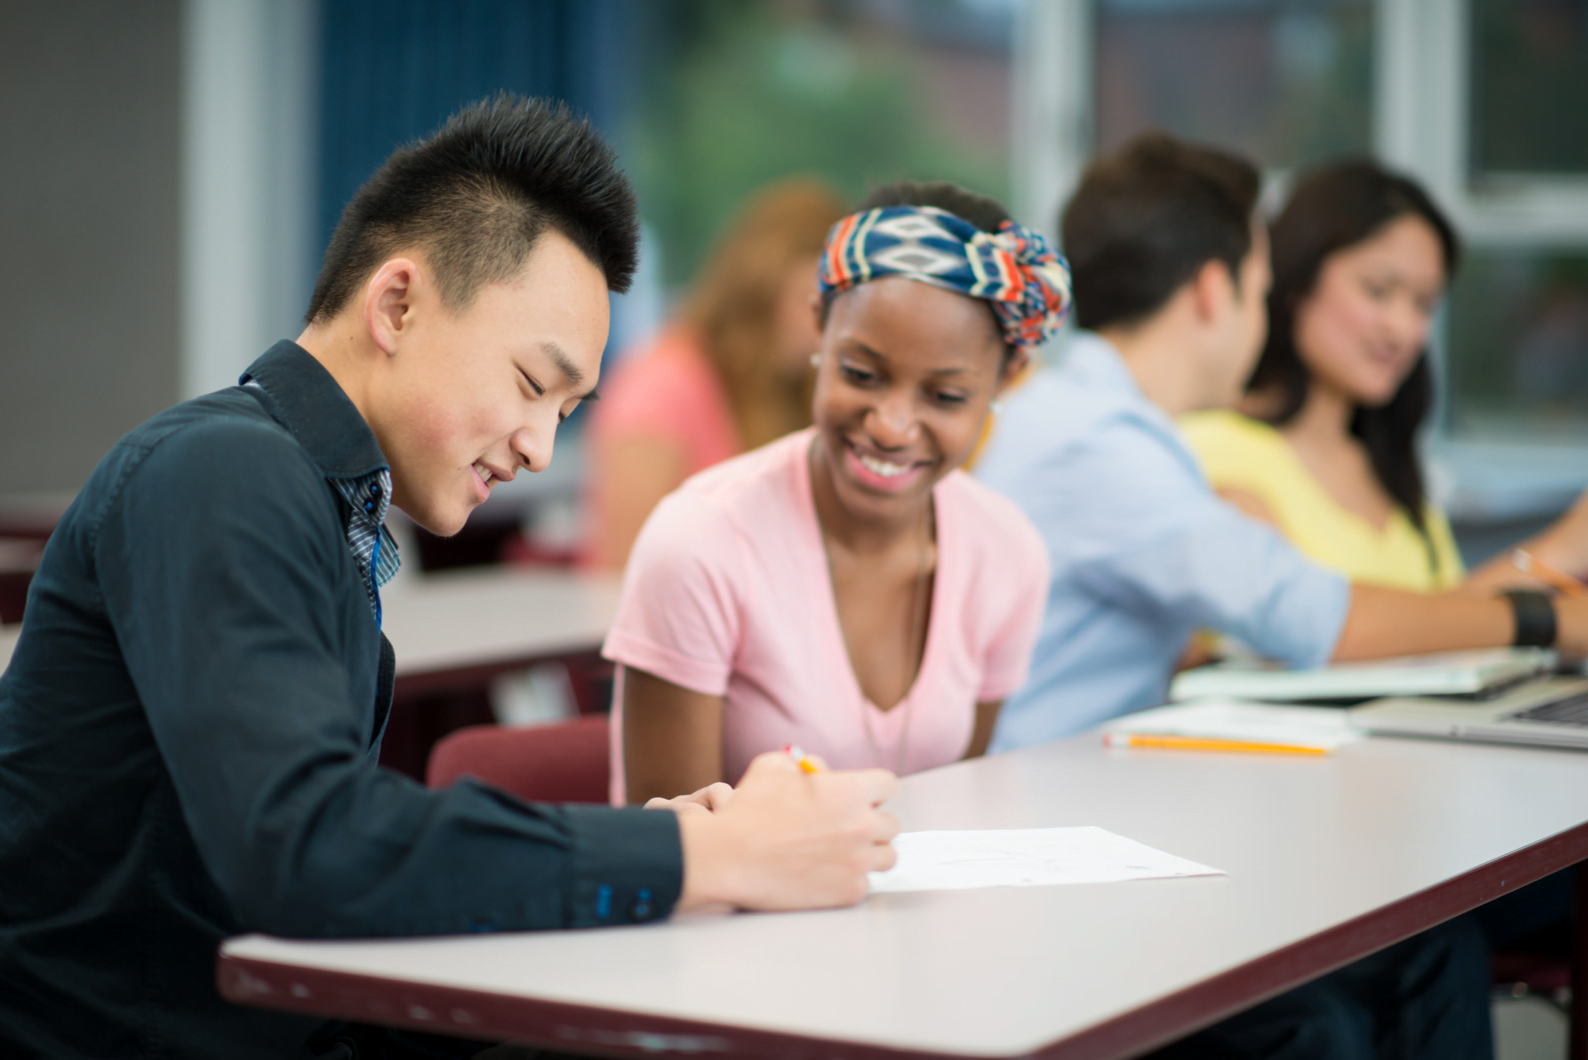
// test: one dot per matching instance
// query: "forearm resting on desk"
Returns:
(1383, 622)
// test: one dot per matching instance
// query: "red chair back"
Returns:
(565, 762)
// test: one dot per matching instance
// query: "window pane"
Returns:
(1518, 346)
(1529, 86)
(1285, 83)
(735, 94)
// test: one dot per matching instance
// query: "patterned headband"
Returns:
(1014, 268)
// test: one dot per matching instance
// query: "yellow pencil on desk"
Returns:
(1528, 563)
(1202, 743)
(801, 759)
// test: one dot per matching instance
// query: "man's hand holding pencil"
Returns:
(792, 835)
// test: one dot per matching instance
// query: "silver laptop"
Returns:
(1547, 713)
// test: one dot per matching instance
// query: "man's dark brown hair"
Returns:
(1148, 216)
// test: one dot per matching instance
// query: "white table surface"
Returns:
(480, 617)
(1327, 858)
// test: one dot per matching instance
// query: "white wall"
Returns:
(89, 205)
(156, 204)
(248, 181)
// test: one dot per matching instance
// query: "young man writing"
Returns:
(1170, 272)
(190, 723)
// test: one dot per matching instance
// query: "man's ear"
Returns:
(816, 312)
(1212, 290)
(389, 302)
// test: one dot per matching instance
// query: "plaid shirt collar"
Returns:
(368, 497)
(328, 426)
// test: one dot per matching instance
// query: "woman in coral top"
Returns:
(728, 375)
(1325, 444)
(847, 588)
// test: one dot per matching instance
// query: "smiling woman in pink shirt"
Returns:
(847, 588)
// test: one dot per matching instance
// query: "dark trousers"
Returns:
(1426, 998)
(1536, 917)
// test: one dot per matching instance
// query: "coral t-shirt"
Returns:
(668, 392)
(728, 593)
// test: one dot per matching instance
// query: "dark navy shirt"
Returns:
(188, 735)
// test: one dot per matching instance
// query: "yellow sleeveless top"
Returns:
(1239, 453)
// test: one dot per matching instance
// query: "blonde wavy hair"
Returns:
(733, 307)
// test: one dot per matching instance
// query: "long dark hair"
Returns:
(1334, 207)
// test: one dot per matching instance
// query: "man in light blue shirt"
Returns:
(1143, 552)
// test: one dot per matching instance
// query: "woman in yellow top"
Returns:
(1324, 445)
(1255, 466)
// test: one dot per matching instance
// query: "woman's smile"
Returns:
(878, 471)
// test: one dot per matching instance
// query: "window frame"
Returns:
(1421, 101)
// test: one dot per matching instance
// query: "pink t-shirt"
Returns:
(728, 593)
(667, 391)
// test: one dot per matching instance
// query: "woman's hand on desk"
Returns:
(787, 839)
(709, 799)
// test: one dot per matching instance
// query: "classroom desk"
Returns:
(1328, 859)
(464, 627)
(455, 631)
(450, 629)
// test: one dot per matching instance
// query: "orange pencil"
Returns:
(801, 759)
(1528, 563)
(1198, 743)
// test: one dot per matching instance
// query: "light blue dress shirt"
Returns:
(1143, 551)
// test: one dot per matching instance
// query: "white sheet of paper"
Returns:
(1025, 857)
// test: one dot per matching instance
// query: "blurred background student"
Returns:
(728, 374)
(1324, 445)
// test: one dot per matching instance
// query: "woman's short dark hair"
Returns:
(1146, 217)
(1333, 207)
(476, 197)
(983, 212)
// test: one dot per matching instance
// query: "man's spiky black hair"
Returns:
(476, 196)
